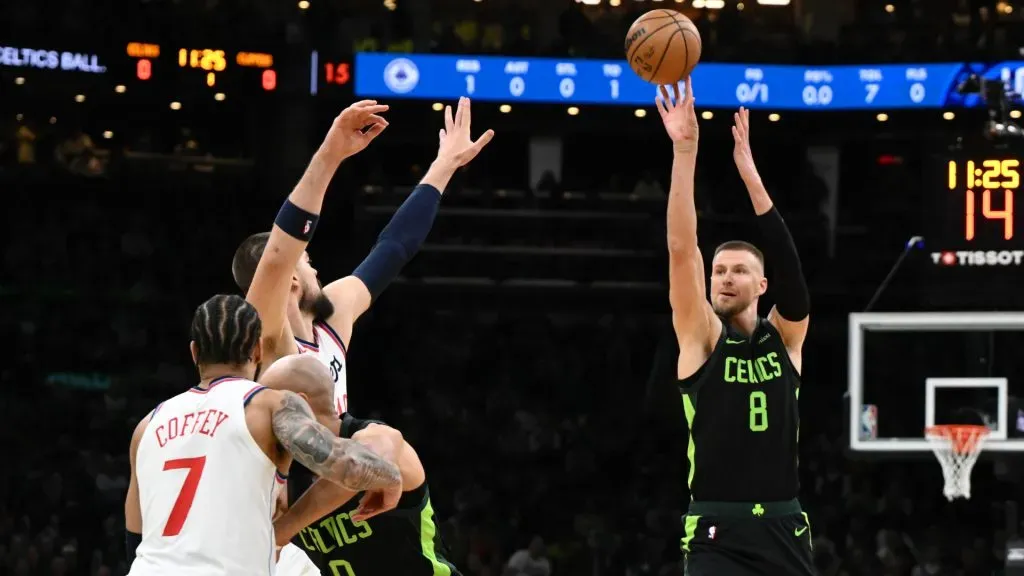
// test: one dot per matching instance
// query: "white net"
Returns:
(957, 447)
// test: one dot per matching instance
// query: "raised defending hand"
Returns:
(679, 117)
(354, 129)
(741, 153)
(456, 146)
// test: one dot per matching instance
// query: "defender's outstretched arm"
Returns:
(405, 233)
(297, 220)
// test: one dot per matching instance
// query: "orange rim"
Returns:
(962, 437)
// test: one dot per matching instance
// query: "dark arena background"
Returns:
(527, 352)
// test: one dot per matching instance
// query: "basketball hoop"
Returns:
(957, 447)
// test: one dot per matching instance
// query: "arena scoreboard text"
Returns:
(971, 198)
(205, 65)
(173, 66)
(610, 82)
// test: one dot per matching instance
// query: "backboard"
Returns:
(911, 370)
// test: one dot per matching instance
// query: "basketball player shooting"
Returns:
(207, 464)
(279, 279)
(403, 541)
(739, 374)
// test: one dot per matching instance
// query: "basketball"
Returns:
(663, 46)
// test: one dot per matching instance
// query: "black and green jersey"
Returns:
(742, 411)
(404, 541)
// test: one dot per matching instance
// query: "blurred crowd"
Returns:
(807, 31)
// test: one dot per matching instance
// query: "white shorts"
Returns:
(294, 562)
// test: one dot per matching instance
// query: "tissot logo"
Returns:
(979, 258)
(50, 59)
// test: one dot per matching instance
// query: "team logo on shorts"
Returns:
(711, 533)
(401, 75)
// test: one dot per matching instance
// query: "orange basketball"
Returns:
(663, 46)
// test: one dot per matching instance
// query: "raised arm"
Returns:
(692, 317)
(132, 505)
(404, 234)
(297, 219)
(791, 313)
(344, 462)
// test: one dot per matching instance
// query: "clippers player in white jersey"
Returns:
(208, 463)
(276, 274)
(308, 318)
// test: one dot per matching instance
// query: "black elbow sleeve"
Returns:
(792, 298)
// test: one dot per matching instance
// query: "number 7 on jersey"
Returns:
(182, 505)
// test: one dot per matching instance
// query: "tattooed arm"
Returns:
(344, 462)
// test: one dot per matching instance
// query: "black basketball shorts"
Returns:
(727, 545)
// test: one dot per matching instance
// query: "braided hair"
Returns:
(226, 330)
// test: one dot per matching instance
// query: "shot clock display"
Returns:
(980, 182)
(971, 202)
(326, 73)
(973, 239)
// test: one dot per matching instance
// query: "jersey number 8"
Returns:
(341, 568)
(758, 411)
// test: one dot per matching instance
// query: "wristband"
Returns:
(296, 222)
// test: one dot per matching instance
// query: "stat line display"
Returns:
(611, 82)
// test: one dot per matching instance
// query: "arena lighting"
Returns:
(890, 8)
(437, 106)
(303, 5)
(614, 2)
(707, 114)
(714, 4)
(740, 6)
(698, 4)
(120, 89)
(19, 80)
(573, 111)
(1015, 114)
(773, 2)
(108, 134)
(640, 113)
(219, 96)
(79, 98)
(175, 105)
(504, 108)
(589, 2)
(773, 117)
(882, 117)
(19, 117)
(948, 115)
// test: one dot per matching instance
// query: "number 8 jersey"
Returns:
(206, 488)
(742, 412)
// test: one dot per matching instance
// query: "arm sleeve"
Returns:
(131, 543)
(792, 298)
(400, 240)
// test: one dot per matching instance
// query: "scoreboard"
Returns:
(177, 68)
(612, 82)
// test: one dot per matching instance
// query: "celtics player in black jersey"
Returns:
(362, 534)
(739, 374)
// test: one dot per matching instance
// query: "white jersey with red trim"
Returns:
(206, 488)
(329, 348)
